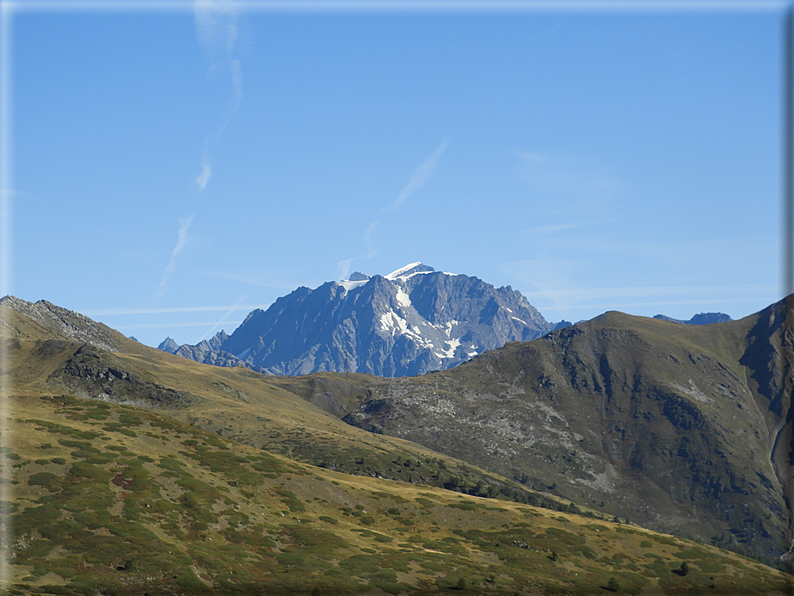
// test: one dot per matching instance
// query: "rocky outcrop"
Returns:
(96, 374)
(207, 352)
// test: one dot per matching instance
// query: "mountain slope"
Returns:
(409, 322)
(262, 411)
(44, 320)
(681, 428)
(115, 499)
(685, 429)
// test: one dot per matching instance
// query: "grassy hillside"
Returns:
(124, 500)
(239, 404)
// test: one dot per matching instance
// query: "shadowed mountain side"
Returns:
(684, 429)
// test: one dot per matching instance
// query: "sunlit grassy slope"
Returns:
(115, 499)
(238, 404)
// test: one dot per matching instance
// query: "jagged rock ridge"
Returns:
(409, 322)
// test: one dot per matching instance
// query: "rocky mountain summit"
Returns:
(207, 351)
(409, 322)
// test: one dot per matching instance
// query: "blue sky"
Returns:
(173, 169)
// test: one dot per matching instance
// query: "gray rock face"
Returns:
(65, 323)
(206, 351)
(409, 322)
(168, 345)
(96, 375)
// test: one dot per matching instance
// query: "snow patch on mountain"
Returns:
(450, 351)
(393, 323)
(403, 299)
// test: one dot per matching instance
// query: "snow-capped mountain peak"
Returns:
(409, 322)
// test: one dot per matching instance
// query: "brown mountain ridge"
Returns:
(685, 429)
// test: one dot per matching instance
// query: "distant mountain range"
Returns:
(409, 322)
(704, 318)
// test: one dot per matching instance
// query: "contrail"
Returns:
(216, 29)
(206, 172)
(103, 312)
(418, 179)
(368, 238)
(420, 176)
(343, 268)
(184, 226)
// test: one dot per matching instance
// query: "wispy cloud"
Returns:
(557, 285)
(184, 227)
(273, 278)
(625, 292)
(206, 172)
(142, 326)
(418, 179)
(343, 269)
(543, 275)
(216, 30)
(236, 99)
(134, 310)
(368, 239)
(420, 176)
(551, 229)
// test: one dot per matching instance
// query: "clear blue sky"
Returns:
(174, 169)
